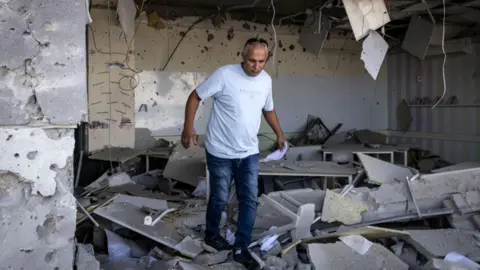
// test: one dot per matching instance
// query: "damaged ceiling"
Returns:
(461, 17)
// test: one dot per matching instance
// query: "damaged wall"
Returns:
(42, 92)
(305, 83)
(451, 131)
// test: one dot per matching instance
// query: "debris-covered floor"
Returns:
(333, 201)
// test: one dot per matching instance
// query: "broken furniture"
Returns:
(353, 149)
(315, 132)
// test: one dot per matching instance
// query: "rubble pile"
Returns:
(357, 203)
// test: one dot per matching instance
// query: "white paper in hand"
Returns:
(277, 155)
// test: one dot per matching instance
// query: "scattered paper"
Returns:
(455, 257)
(357, 242)
(268, 242)
(201, 189)
(230, 237)
(277, 155)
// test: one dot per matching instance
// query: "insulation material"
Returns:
(345, 210)
(366, 15)
(111, 96)
(374, 51)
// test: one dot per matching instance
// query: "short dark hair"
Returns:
(256, 40)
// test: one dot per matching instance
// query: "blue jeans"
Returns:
(222, 172)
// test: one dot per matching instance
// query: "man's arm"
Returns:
(272, 120)
(188, 134)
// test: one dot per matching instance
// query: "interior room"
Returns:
(367, 158)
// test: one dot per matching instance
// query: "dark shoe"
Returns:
(217, 243)
(244, 257)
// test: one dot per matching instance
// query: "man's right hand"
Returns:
(189, 137)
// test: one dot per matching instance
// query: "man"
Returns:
(240, 93)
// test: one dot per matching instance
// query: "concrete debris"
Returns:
(208, 259)
(275, 263)
(382, 172)
(285, 219)
(85, 258)
(438, 243)
(193, 158)
(340, 256)
(142, 202)
(338, 208)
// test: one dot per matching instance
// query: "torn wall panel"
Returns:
(366, 15)
(111, 96)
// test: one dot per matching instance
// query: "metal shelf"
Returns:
(447, 106)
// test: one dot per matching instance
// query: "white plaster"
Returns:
(17, 143)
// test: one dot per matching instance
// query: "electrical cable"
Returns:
(183, 37)
(274, 63)
(444, 59)
(341, 52)
(110, 91)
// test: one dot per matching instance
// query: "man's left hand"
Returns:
(281, 142)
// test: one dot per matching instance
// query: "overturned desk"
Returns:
(387, 150)
(319, 169)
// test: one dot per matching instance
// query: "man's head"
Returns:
(255, 55)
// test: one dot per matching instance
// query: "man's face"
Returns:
(255, 59)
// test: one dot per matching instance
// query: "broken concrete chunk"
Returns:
(85, 258)
(189, 247)
(438, 243)
(342, 209)
(382, 172)
(459, 166)
(340, 256)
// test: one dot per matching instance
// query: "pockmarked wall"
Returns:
(43, 95)
(333, 85)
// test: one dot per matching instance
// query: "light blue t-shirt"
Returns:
(238, 101)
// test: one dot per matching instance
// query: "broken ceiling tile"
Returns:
(373, 53)
(186, 165)
(340, 256)
(438, 243)
(131, 217)
(342, 209)
(382, 172)
(366, 15)
(418, 36)
(127, 10)
(314, 32)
